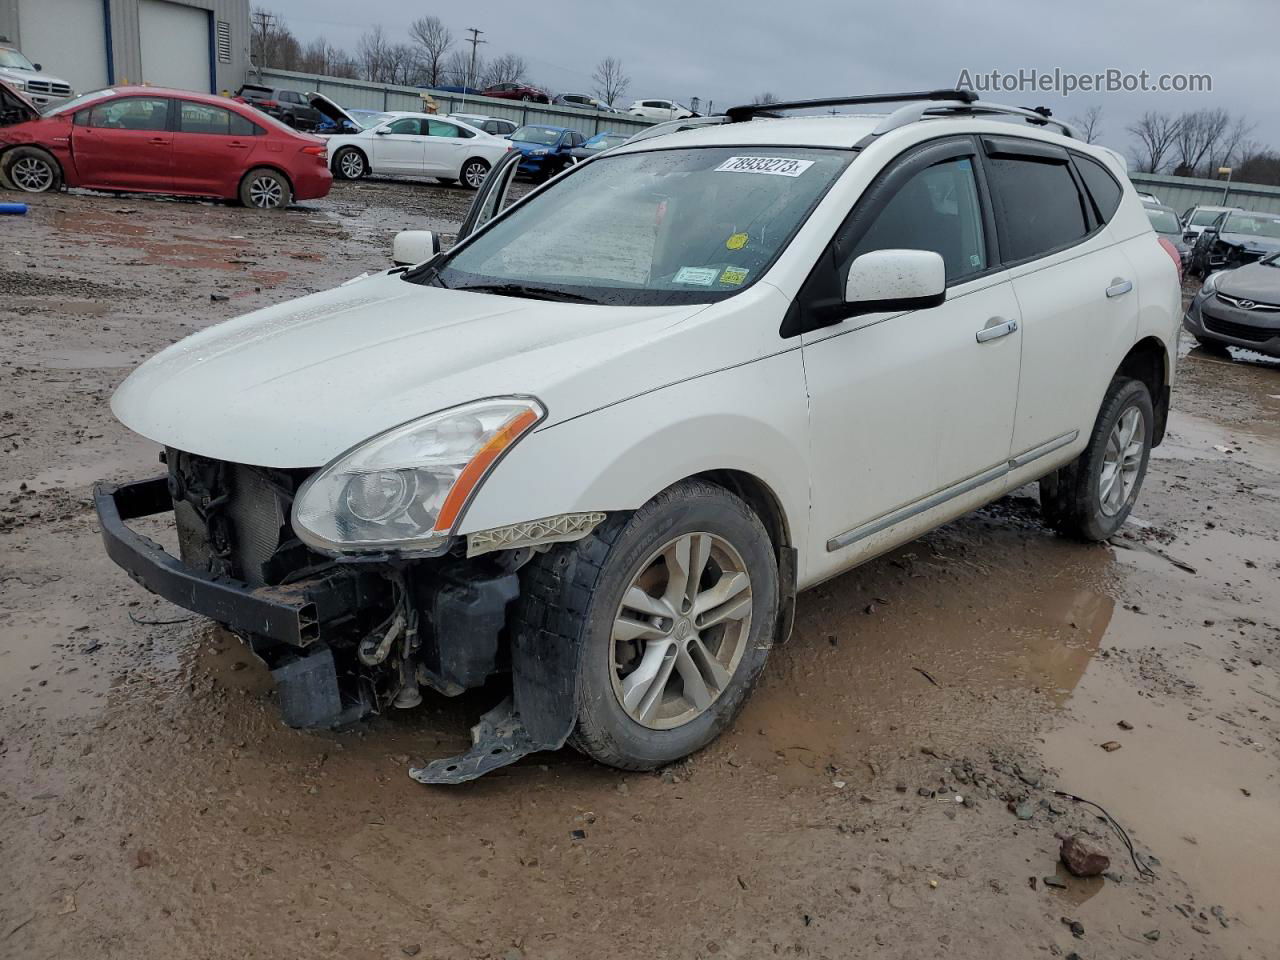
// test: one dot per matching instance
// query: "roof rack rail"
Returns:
(752, 110)
(675, 126)
(913, 112)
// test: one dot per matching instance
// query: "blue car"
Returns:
(546, 150)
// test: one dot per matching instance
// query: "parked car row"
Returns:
(154, 140)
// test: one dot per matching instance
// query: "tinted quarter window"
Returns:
(244, 127)
(936, 210)
(1101, 185)
(1039, 206)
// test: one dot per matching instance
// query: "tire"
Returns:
(265, 189)
(289, 120)
(1072, 497)
(575, 592)
(32, 170)
(473, 173)
(526, 98)
(350, 163)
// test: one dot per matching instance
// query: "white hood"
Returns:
(296, 384)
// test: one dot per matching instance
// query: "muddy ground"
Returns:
(152, 806)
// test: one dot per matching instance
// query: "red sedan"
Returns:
(152, 140)
(516, 91)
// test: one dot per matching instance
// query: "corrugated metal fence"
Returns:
(1181, 193)
(361, 95)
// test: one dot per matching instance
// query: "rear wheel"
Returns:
(265, 189)
(1090, 498)
(32, 170)
(350, 164)
(675, 607)
(473, 173)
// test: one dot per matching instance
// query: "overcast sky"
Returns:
(729, 51)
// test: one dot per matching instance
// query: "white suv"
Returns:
(602, 443)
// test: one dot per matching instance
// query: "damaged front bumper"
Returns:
(347, 639)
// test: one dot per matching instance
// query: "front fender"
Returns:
(752, 418)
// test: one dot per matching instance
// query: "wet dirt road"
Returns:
(151, 805)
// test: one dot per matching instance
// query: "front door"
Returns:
(124, 144)
(911, 414)
(399, 146)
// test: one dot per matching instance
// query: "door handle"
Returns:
(160, 141)
(996, 328)
(237, 145)
(1119, 288)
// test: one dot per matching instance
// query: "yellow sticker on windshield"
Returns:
(737, 241)
(734, 275)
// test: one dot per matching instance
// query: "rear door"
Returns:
(399, 147)
(446, 148)
(212, 147)
(1074, 284)
(125, 144)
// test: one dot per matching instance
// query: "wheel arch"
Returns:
(1148, 361)
(274, 168)
(8, 148)
(333, 157)
(759, 496)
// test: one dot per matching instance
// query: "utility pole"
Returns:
(475, 41)
(263, 21)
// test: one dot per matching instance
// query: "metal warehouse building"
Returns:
(190, 44)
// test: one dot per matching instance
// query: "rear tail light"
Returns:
(267, 103)
(1172, 251)
(316, 149)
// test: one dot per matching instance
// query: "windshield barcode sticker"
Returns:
(777, 166)
(702, 276)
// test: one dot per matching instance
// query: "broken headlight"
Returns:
(406, 489)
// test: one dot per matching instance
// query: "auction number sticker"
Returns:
(776, 166)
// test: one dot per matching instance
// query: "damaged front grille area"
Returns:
(233, 519)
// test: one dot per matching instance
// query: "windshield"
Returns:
(605, 141)
(14, 60)
(1164, 221)
(543, 135)
(75, 103)
(1253, 225)
(1202, 217)
(368, 119)
(651, 228)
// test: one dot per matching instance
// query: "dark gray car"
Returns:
(1234, 239)
(1166, 224)
(1239, 307)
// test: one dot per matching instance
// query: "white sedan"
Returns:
(419, 145)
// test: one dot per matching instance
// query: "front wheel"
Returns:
(32, 170)
(473, 173)
(1090, 498)
(675, 608)
(349, 164)
(265, 189)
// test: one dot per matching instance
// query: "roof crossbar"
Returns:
(751, 110)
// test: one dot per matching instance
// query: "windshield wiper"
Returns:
(529, 292)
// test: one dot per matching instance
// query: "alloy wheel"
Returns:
(352, 165)
(1122, 461)
(474, 175)
(31, 174)
(681, 631)
(266, 193)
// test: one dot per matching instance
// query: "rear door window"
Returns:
(1101, 184)
(1038, 206)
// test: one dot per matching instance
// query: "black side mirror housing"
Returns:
(38, 67)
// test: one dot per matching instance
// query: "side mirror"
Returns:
(38, 67)
(382, 131)
(889, 280)
(414, 246)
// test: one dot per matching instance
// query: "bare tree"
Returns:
(507, 68)
(404, 64)
(271, 43)
(322, 57)
(1235, 145)
(611, 80)
(1199, 133)
(434, 39)
(456, 69)
(1089, 124)
(764, 99)
(373, 52)
(1156, 133)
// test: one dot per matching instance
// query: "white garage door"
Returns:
(66, 37)
(175, 45)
